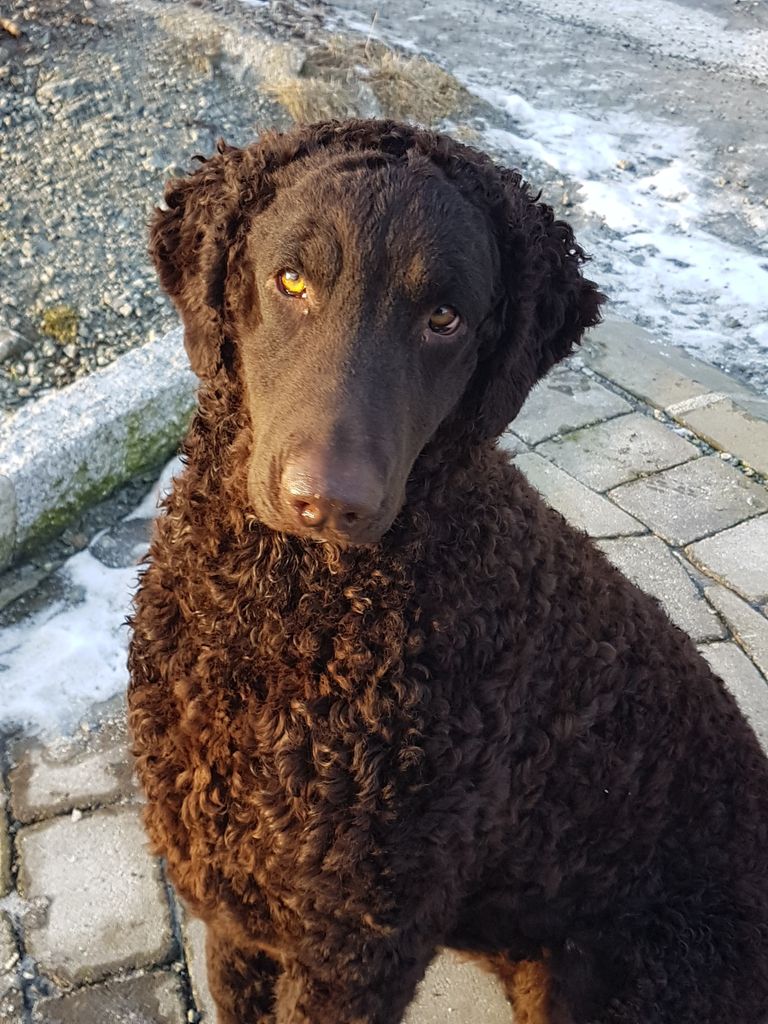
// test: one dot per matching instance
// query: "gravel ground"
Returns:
(100, 102)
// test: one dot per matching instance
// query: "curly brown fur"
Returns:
(457, 724)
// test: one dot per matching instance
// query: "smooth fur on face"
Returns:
(369, 284)
(349, 378)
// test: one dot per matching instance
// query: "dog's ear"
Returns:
(192, 242)
(542, 310)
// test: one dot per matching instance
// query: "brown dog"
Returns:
(382, 698)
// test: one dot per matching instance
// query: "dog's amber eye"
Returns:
(444, 320)
(291, 282)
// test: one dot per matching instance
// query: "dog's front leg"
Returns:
(372, 986)
(241, 979)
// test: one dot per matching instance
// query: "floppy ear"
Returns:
(544, 307)
(196, 237)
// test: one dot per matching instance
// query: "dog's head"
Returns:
(365, 282)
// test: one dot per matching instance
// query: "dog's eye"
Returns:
(444, 320)
(291, 283)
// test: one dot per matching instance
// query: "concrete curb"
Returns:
(73, 447)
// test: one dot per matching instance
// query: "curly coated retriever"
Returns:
(383, 699)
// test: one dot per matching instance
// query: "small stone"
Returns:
(76, 814)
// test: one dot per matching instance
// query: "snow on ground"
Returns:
(660, 266)
(55, 664)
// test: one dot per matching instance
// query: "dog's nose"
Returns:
(342, 498)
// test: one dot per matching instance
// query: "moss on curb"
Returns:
(140, 452)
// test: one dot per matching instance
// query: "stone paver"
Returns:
(512, 444)
(656, 373)
(726, 426)
(11, 999)
(193, 931)
(744, 681)
(650, 564)
(82, 773)
(748, 625)
(456, 990)
(621, 449)
(105, 904)
(124, 544)
(565, 400)
(151, 999)
(739, 555)
(582, 507)
(690, 501)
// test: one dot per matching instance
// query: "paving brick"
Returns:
(652, 566)
(739, 556)
(731, 429)
(458, 991)
(566, 400)
(659, 374)
(151, 999)
(124, 544)
(194, 931)
(11, 999)
(512, 444)
(744, 681)
(106, 904)
(693, 500)
(81, 773)
(747, 625)
(582, 507)
(619, 450)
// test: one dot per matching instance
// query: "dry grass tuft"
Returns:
(342, 78)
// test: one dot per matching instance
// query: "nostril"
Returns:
(311, 512)
(350, 517)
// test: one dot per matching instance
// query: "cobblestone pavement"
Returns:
(661, 460)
